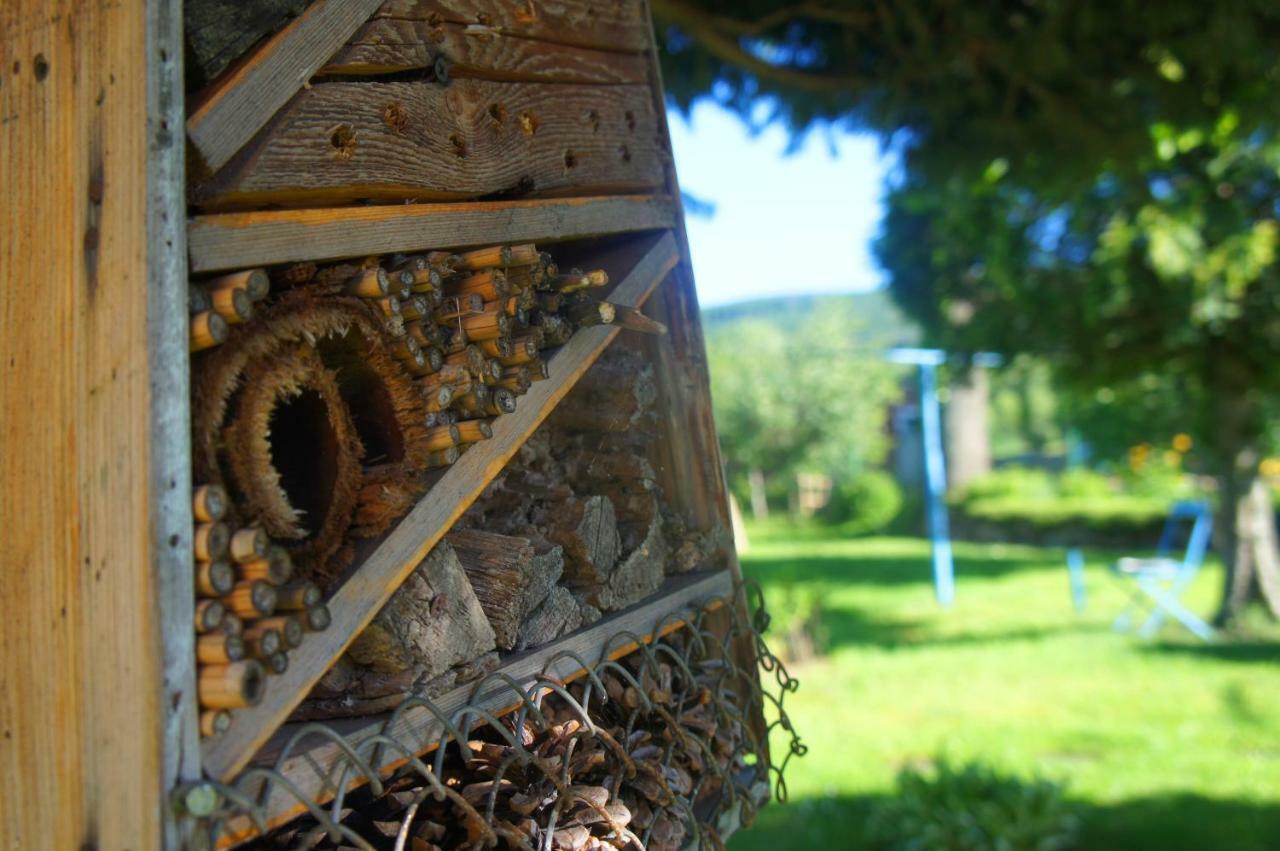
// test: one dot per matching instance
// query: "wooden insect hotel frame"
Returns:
(358, 485)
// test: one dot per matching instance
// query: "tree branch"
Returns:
(708, 32)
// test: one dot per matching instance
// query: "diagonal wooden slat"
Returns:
(317, 770)
(360, 598)
(241, 103)
(237, 240)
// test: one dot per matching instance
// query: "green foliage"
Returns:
(864, 504)
(973, 807)
(1056, 91)
(800, 395)
(1076, 496)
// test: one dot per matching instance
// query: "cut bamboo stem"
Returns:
(230, 686)
(278, 662)
(370, 283)
(275, 567)
(443, 458)
(209, 503)
(289, 626)
(214, 721)
(254, 282)
(209, 615)
(261, 641)
(297, 596)
(210, 541)
(252, 598)
(249, 544)
(218, 648)
(442, 437)
(208, 329)
(634, 320)
(232, 624)
(473, 431)
(317, 618)
(233, 305)
(214, 578)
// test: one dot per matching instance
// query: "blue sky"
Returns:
(783, 223)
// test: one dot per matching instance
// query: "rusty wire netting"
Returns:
(662, 748)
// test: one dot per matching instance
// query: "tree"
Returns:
(1093, 181)
(795, 397)
(1171, 270)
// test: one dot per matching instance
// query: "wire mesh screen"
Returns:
(664, 747)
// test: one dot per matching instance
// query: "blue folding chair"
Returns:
(1158, 583)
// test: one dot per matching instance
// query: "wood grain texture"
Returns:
(228, 116)
(361, 596)
(85, 155)
(395, 45)
(238, 240)
(405, 141)
(316, 770)
(612, 25)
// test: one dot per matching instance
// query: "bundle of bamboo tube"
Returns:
(476, 328)
(248, 614)
(224, 301)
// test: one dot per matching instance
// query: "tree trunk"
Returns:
(759, 504)
(968, 429)
(1244, 527)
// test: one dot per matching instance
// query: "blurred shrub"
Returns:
(867, 503)
(973, 808)
(1077, 496)
(797, 626)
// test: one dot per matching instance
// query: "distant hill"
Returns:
(883, 325)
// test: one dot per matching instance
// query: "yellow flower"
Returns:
(1270, 467)
(1172, 458)
(1182, 442)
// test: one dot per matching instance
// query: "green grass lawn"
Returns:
(1169, 745)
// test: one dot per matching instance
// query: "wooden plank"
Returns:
(406, 141)
(621, 25)
(169, 442)
(395, 45)
(710, 505)
(245, 99)
(87, 160)
(361, 596)
(317, 769)
(239, 240)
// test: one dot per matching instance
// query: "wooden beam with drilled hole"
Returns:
(238, 105)
(355, 603)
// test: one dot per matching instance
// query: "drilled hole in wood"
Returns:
(498, 113)
(343, 141)
(529, 123)
(570, 159)
(593, 118)
(304, 449)
(625, 153)
(41, 67)
(631, 120)
(458, 145)
(396, 116)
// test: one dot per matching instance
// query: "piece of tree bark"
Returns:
(432, 623)
(637, 576)
(588, 531)
(511, 575)
(558, 614)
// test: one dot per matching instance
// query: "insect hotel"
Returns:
(358, 482)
